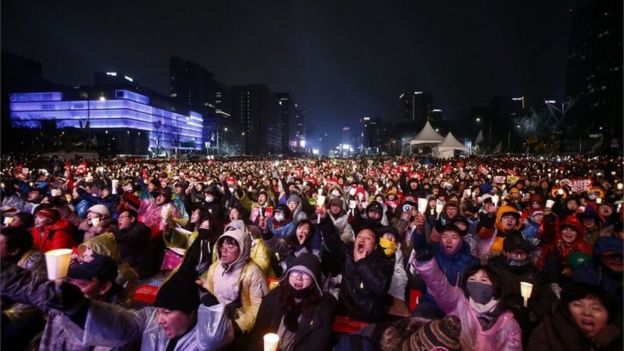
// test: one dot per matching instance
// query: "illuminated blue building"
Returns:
(125, 116)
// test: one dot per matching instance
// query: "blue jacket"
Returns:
(594, 273)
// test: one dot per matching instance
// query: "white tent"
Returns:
(446, 149)
(427, 136)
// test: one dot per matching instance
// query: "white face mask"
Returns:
(279, 216)
(336, 193)
(209, 198)
(231, 190)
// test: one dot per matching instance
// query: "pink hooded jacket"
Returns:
(504, 335)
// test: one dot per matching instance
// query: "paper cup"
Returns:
(422, 205)
(439, 207)
(57, 263)
(270, 341)
(549, 203)
(320, 200)
(352, 203)
(525, 291)
(114, 185)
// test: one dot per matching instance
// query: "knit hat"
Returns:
(375, 207)
(179, 293)
(309, 264)
(608, 244)
(101, 210)
(573, 222)
(389, 230)
(441, 333)
(49, 213)
(515, 241)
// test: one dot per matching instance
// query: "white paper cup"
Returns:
(57, 263)
(270, 341)
(549, 203)
(525, 291)
(352, 203)
(422, 205)
(114, 185)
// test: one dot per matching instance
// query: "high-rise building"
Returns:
(258, 112)
(594, 67)
(286, 107)
(416, 106)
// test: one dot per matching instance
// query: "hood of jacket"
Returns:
(244, 243)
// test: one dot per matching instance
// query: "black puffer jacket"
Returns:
(364, 283)
(132, 243)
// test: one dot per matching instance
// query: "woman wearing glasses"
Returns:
(297, 310)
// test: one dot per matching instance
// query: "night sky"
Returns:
(341, 60)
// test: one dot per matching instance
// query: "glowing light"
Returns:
(128, 79)
(112, 74)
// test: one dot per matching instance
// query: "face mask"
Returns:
(209, 198)
(336, 193)
(517, 263)
(480, 292)
(279, 216)
(231, 190)
(389, 247)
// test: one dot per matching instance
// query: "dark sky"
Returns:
(339, 59)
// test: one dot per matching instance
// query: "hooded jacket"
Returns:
(594, 273)
(53, 236)
(240, 278)
(504, 335)
(563, 249)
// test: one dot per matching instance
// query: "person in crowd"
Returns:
(61, 302)
(507, 221)
(554, 257)
(606, 270)
(287, 249)
(236, 281)
(295, 206)
(591, 225)
(485, 322)
(452, 255)
(51, 231)
(20, 322)
(513, 267)
(281, 225)
(158, 213)
(297, 309)
(340, 219)
(23, 220)
(390, 242)
(586, 318)
(133, 238)
(98, 221)
(100, 193)
(365, 271)
(372, 218)
(418, 334)
(262, 208)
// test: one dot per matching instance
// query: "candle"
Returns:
(57, 263)
(270, 341)
(525, 291)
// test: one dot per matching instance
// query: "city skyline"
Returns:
(342, 62)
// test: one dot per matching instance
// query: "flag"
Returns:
(498, 148)
(479, 137)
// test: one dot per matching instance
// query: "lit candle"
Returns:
(270, 341)
(57, 263)
(525, 291)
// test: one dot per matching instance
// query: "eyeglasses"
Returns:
(300, 275)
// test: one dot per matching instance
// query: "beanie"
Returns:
(309, 264)
(515, 241)
(101, 210)
(441, 333)
(179, 293)
(294, 198)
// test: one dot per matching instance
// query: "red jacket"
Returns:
(54, 236)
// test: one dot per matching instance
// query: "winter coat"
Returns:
(111, 201)
(559, 332)
(33, 261)
(452, 265)
(53, 236)
(281, 230)
(594, 273)
(242, 278)
(505, 334)
(132, 243)
(364, 283)
(314, 332)
(151, 215)
(563, 249)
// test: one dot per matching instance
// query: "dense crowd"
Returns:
(497, 253)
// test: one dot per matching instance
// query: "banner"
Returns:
(580, 185)
(500, 179)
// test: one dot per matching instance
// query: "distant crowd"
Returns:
(479, 253)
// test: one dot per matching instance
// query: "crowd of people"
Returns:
(477, 253)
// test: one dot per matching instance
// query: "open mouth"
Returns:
(298, 286)
(360, 247)
(587, 324)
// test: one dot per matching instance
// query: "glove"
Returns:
(67, 298)
(423, 255)
(230, 308)
(209, 299)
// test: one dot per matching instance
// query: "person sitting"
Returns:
(236, 281)
(98, 221)
(606, 268)
(584, 319)
(285, 250)
(51, 231)
(485, 322)
(20, 322)
(297, 309)
(365, 271)
(132, 239)
(281, 225)
(95, 280)
(452, 255)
